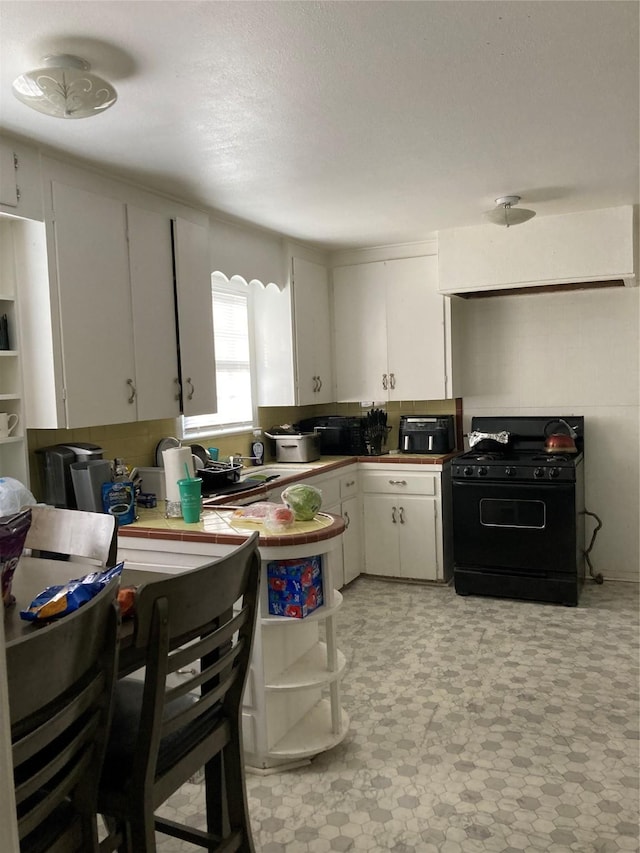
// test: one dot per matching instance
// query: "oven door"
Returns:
(528, 527)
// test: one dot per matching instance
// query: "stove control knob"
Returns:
(468, 471)
(482, 471)
(510, 471)
(538, 472)
(554, 473)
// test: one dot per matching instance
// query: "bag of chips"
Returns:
(13, 532)
(57, 601)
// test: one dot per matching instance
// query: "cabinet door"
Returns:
(195, 318)
(8, 178)
(94, 295)
(312, 327)
(415, 329)
(359, 317)
(381, 549)
(154, 320)
(352, 538)
(417, 535)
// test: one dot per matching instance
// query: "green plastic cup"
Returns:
(190, 498)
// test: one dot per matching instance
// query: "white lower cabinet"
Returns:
(341, 496)
(291, 706)
(402, 522)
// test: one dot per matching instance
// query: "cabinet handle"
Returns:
(186, 672)
(314, 379)
(132, 388)
(349, 484)
(191, 388)
(384, 381)
(319, 383)
(397, 482)
(393, 515)
(179, 391)
(392, 381)
(347, 520)
(401, 511)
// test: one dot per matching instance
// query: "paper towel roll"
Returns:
(174, 461)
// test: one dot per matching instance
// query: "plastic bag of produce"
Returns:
(305, 501)
(280, 517)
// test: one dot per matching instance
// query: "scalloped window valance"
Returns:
(249, 254)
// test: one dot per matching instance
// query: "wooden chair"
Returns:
(60, 681)
(163, 734)
(73, 533)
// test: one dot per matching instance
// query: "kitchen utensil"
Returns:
(201, 455)
(559, 442)
(376, 431)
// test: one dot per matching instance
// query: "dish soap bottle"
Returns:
(257, 448)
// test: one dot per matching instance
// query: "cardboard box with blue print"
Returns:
(294, 586)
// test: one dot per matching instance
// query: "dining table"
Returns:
(35, 574)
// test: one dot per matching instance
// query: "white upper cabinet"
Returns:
(153, 305)
(312, 332)
(389, 325)
(195, 318)
(95, 315)
(293, 343)
(20, 180)
(99, 308)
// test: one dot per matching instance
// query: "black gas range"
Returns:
(518, 510)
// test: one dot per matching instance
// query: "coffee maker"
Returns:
(55, 467)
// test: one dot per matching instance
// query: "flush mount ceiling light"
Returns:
(64, 88)
(504, 213)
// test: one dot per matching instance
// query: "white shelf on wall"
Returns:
(13, 450)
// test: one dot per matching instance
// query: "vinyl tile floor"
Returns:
(478, 725)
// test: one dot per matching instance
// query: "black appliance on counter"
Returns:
(55, 466)
(426, 434)
(340, 435)
(518, 512)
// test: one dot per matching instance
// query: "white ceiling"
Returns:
(353, 123)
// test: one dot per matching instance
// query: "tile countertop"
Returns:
(218, 525)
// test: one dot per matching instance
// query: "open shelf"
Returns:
(321, 613)
(312, 734)
(308, 671)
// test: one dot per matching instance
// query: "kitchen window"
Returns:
(232, 328)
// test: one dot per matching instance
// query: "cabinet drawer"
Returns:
(399, 483)
(349, 485)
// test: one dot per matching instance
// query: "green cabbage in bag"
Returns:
(305, 501)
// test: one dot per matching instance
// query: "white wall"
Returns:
(561, 354)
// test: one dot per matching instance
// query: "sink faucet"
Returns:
(238, 457)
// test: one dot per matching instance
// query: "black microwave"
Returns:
(339, 435)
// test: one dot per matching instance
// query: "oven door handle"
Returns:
(510, 487)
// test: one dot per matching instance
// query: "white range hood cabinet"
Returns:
(587, 247)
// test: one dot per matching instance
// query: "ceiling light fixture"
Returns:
(64, 88)
(506, 214)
